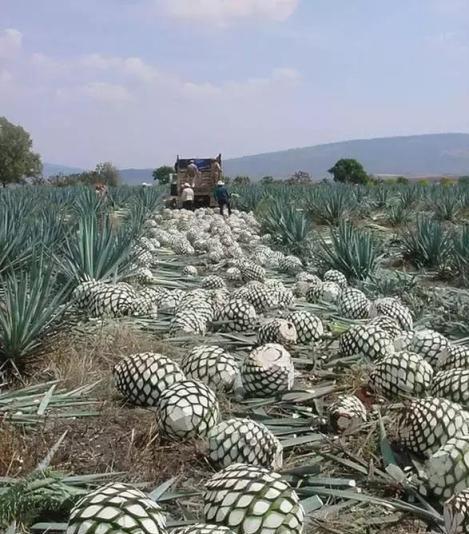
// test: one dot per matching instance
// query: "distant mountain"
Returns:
(52, 169)
(412, 156)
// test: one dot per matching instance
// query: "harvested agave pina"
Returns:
(392, 307)
(425, 425)
(369, 340)
(250, 499)
(142, 377)
(452, 385)
(401, 374)
(116, 508)
(453, 357)
(429, 345)
(244, 441)
(187, 409)
(202, 528)
(447, 470)
(277, 331)
(268, 370)
(456, 513)
(347, 413)
(308, 327)
(212, 366)
(353, 304)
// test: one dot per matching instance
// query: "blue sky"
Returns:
(138, 81)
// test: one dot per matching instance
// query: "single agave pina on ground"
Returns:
(453, 357)
(244, 441)
(290, 265)
(388, 324)
(347, 413)
(368, 340)
(335, 276)
(213, 282)
(212, 366)
(190, 270)
(310, 278)
(238, 316)
(452, 385)
(456, 513)
(116, 508)
(308, 327)
(111, 301)
(428, 344)
(353, 304)
(327, 291)
(188, 322)
(261, 296)
(187, 409)
(401, 374)
(392, 307)
(425, 425)
(141, 378)
(251, 271)
(277, 331)
(268, 370)
(253, 500)
(201, 528)
(446, 472)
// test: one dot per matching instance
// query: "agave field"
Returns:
(299, 367)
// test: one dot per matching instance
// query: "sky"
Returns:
(136, 82)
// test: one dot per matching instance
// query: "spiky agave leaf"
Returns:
(32, 308)
(98, 251)
(427, 244)
(350, 250)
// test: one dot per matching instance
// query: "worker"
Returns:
(216, 171)
(192, 172)
(222, 197)
(187, 197)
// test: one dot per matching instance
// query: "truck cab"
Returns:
(203, 182)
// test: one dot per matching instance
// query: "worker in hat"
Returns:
(187, 197)
(192, 172)
(222, 196)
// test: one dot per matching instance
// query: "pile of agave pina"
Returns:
(238, 293)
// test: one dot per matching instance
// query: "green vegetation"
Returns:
(17, 160)
(349, 250)
(161, 174)
(349, 171)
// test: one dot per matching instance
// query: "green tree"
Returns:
(106, 173)
(464, 180)
(402, 180)
(267, 180)
(242, 180)
(17, 160)
(162, 174)
(300, 177)
(349, 170)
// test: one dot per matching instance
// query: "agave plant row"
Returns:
(277, 353)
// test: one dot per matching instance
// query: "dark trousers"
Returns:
(188, 205)
(222, 204)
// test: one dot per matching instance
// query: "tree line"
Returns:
(18, 163)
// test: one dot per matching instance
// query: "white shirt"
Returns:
(187, 194)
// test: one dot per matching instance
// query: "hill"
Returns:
(412, 156)
(52, 169)
(416, 155)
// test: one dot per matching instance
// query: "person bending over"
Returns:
(222, 197)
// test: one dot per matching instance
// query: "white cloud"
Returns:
(106, 92)
(10, 43)
(133, 67)
(223, 12)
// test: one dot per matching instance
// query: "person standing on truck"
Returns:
(187, 197)
(216, 171)
(222, 197)
(192, 172)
